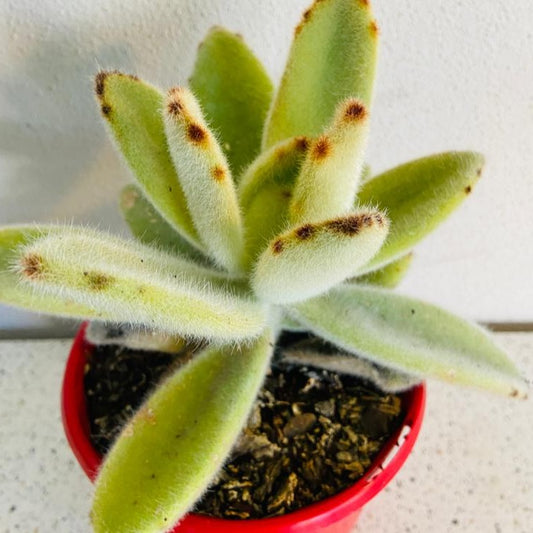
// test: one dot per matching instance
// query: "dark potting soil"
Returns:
(311, 433)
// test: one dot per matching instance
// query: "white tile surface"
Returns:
(471, 471)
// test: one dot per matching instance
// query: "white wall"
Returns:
(452, 75)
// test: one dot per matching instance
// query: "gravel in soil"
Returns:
(311, 432)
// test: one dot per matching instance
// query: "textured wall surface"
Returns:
(452, 75)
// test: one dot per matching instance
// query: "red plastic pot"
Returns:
(336, 514)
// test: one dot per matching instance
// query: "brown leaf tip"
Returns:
(174, 108)
(281, 153)
(305, 232)
(321, 148)
(277, 246)
(355, 110)
(218, 173)
(346, 225)
(99, 81)
(32, 266)
(305, 17)
(106, 109)
(374, 29)
(101, 77)
(196, 133)
(352, 224)
(286, 194)
(174, 103)
(367, 220)
(174, 92)
(468, 189)
(302, 143)
(379, 219)
(97, 281)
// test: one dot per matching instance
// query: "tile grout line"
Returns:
(509, 327)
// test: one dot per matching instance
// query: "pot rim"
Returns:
(386, 464)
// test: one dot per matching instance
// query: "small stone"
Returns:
(299, 424)
(344, 456)
(356, 467)
(285, 494)
(312, 382)
(295, 408)
(326, 408)
(258, 445)
(351, 434)
(236, 484)
(374, 422)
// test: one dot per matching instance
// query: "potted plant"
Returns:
(255, 214)
(88, 434)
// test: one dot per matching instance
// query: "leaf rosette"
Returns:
(252, 213)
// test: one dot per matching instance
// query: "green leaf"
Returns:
(132, 109)
(15, 293)
(265, 192)
(150, 228)
(235, 93)
(205, 178)
(134, 337)
(289, 324)
(330, 174)
(417, 197)
(123, 281)
(388, 276)
(171, 450)
(310, 259)
(333, 57)
(410, 336)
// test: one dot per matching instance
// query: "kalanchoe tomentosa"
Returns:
(254, 213)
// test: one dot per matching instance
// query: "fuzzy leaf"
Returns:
(136, 338)
(417, 197)
(15, 293)
(171, 450)
(330, 174)
(206, 179)
(310, 259)
(150, 228)
(387, 379)
(332, 57)
(235, 93)
(132, 109)
(388, 276)
(290, 324)
(127, 282)
(410, 336)
(265, 192)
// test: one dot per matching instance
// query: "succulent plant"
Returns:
(253, 213)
